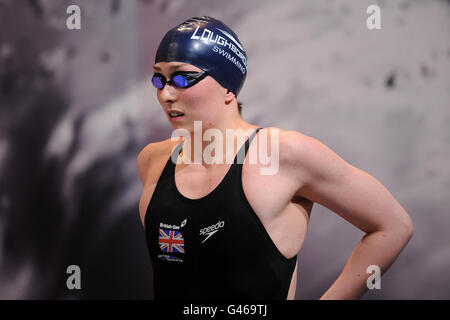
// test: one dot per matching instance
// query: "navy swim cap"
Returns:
(210, 45)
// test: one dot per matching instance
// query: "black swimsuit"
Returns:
(214, 247)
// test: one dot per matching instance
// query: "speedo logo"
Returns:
(211, 230)
(208, 36)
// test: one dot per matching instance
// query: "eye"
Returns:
(158, 80)
(180, 81)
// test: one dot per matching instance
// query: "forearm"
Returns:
(377, 248)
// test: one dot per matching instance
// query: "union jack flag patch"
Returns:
(171, 241)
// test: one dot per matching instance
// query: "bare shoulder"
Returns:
(307, 159)
(296, 147)
(152, 153)
(293, 146)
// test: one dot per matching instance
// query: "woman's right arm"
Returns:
(143, 165)
(143, 162)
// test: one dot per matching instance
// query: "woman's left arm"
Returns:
(360, 199)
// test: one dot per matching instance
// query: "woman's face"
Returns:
(201, 102)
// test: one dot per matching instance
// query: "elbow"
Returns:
(404, 225)
(402, 229)
(410, 228)
(406, 228)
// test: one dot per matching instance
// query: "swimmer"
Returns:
(223, 230)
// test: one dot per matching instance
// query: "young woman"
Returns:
(224, 229)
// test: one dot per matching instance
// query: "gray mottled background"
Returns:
(76, 107)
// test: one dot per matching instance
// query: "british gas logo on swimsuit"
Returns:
(173, 226)
(171, 241)
(208, 36)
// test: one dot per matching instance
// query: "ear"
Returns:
(229, 97)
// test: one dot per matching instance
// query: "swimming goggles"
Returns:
(180, 79)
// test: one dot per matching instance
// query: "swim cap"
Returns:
(210, 45)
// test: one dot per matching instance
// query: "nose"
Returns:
(168, 94)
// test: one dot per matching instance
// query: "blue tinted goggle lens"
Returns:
(180, 81)
(157, 82)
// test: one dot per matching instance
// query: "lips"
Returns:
(175, 113)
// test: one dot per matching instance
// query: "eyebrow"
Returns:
(171, 67)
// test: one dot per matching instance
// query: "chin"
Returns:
(179, 126)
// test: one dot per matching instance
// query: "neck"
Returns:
(218, 145)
